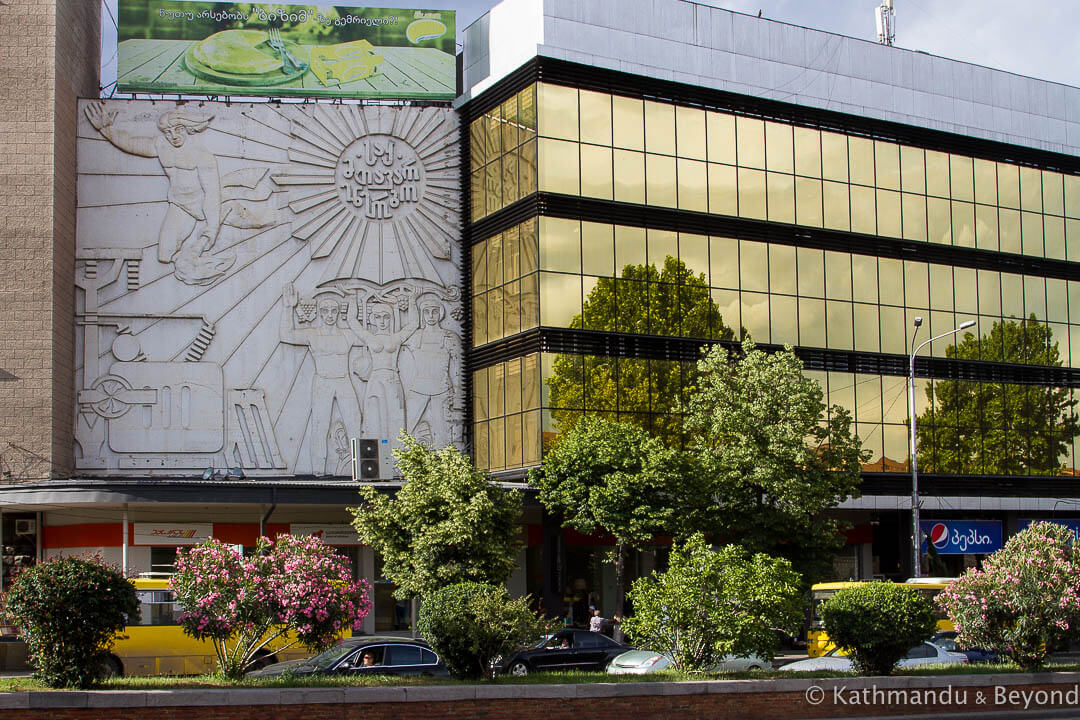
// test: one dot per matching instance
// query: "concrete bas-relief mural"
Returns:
(258, 283)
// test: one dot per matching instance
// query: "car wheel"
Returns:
(519, 668)
(113, 667)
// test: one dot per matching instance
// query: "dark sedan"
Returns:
(566, 650)
(365, 655)
(947, 640)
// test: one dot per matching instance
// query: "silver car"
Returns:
(925, 653)
(639, 662)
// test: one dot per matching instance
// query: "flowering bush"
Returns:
(295, 590)
(878, 622)
(1026, 598)
(70, 610)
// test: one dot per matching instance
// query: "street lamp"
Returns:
(916, 535)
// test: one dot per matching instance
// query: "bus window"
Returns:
(156, 607)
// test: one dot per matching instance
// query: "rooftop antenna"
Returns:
(886, 22)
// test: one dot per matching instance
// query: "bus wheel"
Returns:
(261, 660)
(113, 667)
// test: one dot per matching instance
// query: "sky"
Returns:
(1038, 38)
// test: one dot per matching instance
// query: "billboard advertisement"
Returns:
(285, 50)
(961, 537)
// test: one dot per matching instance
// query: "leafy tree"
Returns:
(69, 610)
(877, 623)
(293, 591)
(472, 624)
(712, 603)
(1026, 598)
(671, 301)
(771, 457)
(448, 523)
(999, 428)
(611, 477)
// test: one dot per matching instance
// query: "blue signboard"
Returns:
(961, 537)
(1073, 525)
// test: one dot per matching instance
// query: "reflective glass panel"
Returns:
(629, 176)
(861, 160)
(1054, 237)
(1008, 185)
(510, 134)
(558, 111)
(937, 173)
(963, 224)
(891, 281)
(838, 317)
(912, 170)
(750, 141)
(560, 244)
(596, 172)
(597, 249)
(965, 290)
(888, 213)
(659, 128)
(807, 152)
(782, 269)
(941, 287)
(1030, 189)
(894, 332)
(527, 112)
(863, 211)
(962, 182)
(659, 189)
(811, 322)
(939, 220)
(811, 272)
(785, 317)
(690, 129)
(864, 278)
(837, 275)
(989, 292)
(560, 299)
(1072, 196)
(694, 252)
(916, 284)
(755, 316)
(1031, 233)
(661, 245)
(723, 190)
(512, 311)
(834, 157)
(781, 200)
(866, 327)
(628, 123)
(779, 153)
(752, 193)
(595, 117)
(837, 205)
(720, 134)
(629, 247)
(530, 381)
(693, 185)
(986, 227)
(754, 262)
(724, 262)
(985, 181)
(559, 167)
(1009, 230)
(808, 202)
(887, 165)
(913, 209)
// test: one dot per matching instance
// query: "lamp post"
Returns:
(916, 535)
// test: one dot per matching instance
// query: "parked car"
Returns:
(947, 640)
(925, 653)
(565, 650)
(639, 662)
(365, 655)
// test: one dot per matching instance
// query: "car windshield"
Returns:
(327, 658)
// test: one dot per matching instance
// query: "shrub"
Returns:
(295, 590)
(1024, 601)
(711, 603)
(877, 623)
(472, 624)
(70, 610)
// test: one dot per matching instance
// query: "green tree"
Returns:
(448, 523)
(712, 603)
(772, 456)
(999, 428)
(877, 623)
(611, 477)
(670, 301)
(69, 610)
(471, 624)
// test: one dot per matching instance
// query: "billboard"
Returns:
(285, 50)
(961, 537)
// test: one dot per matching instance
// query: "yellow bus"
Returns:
(154, 643)
(817, 640)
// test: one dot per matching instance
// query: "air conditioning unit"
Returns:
(372, 459)
(25, 527)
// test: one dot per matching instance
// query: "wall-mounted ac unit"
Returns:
(25, 527)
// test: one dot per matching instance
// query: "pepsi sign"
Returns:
(961, 537)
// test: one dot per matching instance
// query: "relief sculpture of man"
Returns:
(193, 219)
(330, 342)
(429, 374)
